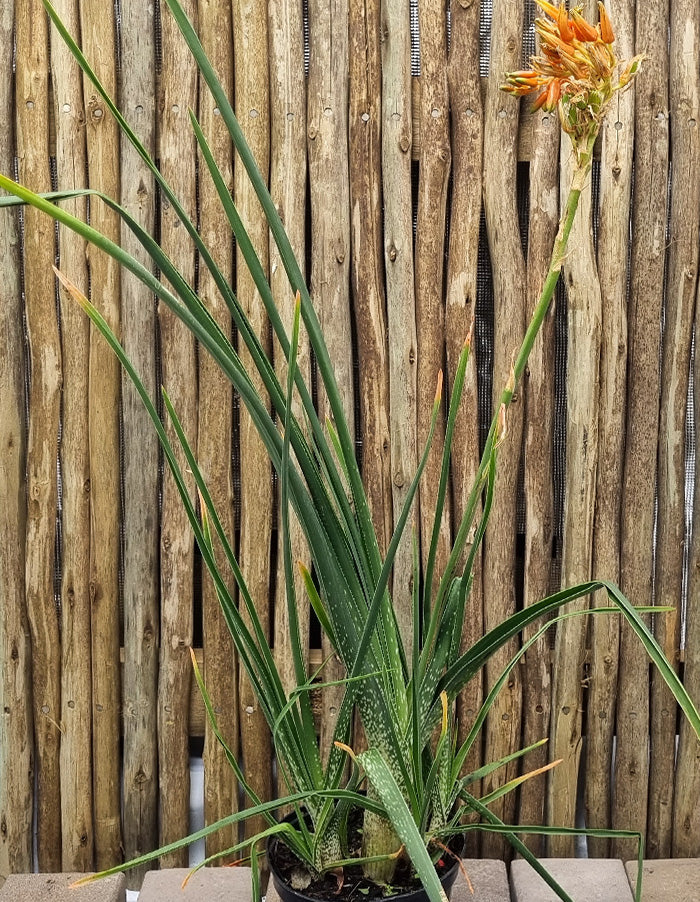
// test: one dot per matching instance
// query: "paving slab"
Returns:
(488, 877)
(207, 885)
(57, 888)
(668, 879)
(584, 879)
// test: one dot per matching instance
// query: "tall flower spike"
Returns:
(576, 72)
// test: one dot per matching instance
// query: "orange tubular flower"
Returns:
(606, 32)
(576, 71)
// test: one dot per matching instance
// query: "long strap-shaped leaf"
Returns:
(294, 274)
(382, 779)
(467, 665)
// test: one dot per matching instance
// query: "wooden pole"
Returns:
(583, 355)
(99, 35)
(400, 291)
(369, 303)
(681, 291)
(500, 207)
(140, 514)
(16, 735)
(539, 441)
(649, 217)
(327, 105)
(252, 108)
(433, 174)
(606, 636)
(215, 436)
(288, 190)
(178, 93)
(465, 213)
(32, 111)
(76, 701)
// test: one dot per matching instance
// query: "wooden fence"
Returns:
(96, 557)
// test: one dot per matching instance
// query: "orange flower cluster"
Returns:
(575, 71)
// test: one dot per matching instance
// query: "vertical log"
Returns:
(288, 190)
(140, 472)
(398, 262)
(606, 639)
(252, 109)
(178, 93)
(643, 380)
(327, 131)
(539, 488)
(98, 31)
(434, 170)
(583, 354)
(681, 288)
(500, 206)
(467, 140)
(215, 437)
(16, 737)
(367, 263)
(76, 700)
(32, 110)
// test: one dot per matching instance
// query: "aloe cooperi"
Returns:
(417, 793)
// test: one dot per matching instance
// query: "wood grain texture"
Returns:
(583, 357)
(648, 254)
(367, 271)
(215, 436)
(76, 695)
(538, 449)
(102, 135)
(177, 150)
(508, 267)
(433, 174)
(605, 639)
(288, 190)
(327, 133)
(140, 514)
(681, 292)
(400, 289)
(465, 211)
(32, 112)
(252, 109)
(16, 734)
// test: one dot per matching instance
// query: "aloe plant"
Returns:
(417, 795)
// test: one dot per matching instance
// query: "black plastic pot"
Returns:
(288, 894)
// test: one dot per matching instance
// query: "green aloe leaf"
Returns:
(382, 779)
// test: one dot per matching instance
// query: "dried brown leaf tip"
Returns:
(576, 71)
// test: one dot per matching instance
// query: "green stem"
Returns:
(578, 182)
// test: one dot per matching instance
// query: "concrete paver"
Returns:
(489, 879)
(56, 888)
(207, 885)
(668, 880)
(584, 879)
